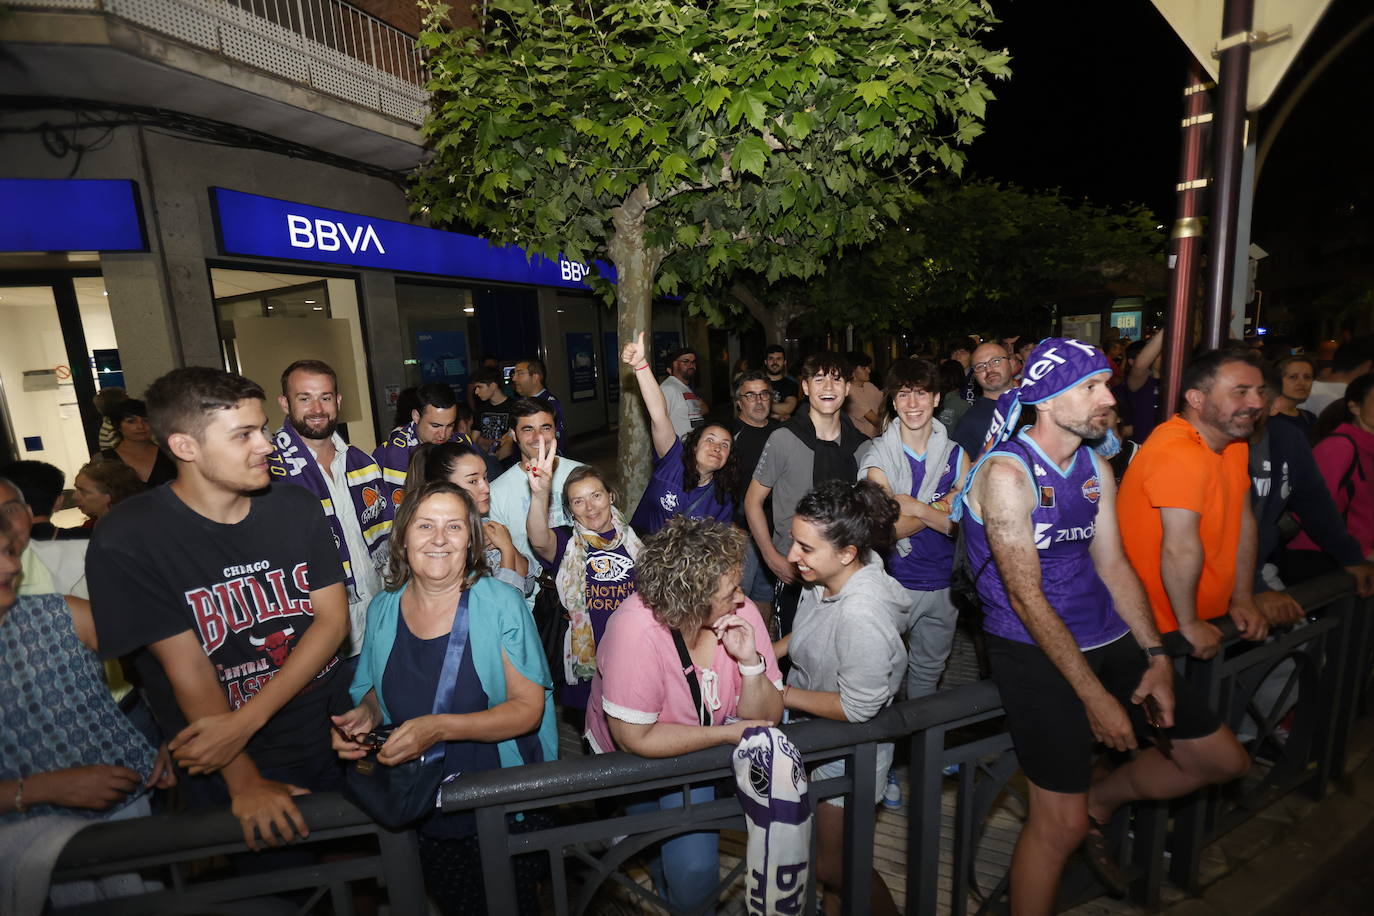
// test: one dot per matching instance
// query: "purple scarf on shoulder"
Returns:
(296, 464)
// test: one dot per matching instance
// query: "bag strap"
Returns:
(689, 671)
(448, 674)
(706, 491)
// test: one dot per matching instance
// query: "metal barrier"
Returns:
(1323, 672)
(326, 44)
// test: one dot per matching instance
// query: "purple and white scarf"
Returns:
(294, 462)
(770, 781)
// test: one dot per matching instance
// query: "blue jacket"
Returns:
(497, 619)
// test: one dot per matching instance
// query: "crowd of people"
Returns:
(456, 593)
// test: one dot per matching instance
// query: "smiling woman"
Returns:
(499, 710)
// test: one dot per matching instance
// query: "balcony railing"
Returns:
(326, 44)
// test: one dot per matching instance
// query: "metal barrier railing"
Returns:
(326, 44)
(588, 839)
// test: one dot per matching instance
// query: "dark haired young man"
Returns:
(785, 388)
(534, 423)
(919, 464)
(234, 589)
(529, 377)
(433, 421)
(348, 483)
(816, 445)
(492, 429)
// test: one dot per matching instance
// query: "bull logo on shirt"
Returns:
(1092, 489)
(277, 645)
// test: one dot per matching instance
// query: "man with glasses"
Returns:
(686, 410)
(754, 401)
(992, 370)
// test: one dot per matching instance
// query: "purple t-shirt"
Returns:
(610, 580)
(1065, 522)
(1143, 404)
(665, 497)
(927, 568)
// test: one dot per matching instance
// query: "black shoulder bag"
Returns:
(398, 796)
(689, 671)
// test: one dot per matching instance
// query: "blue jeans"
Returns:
(692, 860)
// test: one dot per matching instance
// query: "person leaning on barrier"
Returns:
(848, 659)
(1074, 649)
(687, 622)
(1191, 534)
(502, 708)
(79, 757)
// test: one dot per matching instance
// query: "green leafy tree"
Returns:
(681, 142)
(968, 257)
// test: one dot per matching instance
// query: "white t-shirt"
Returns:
(684, 407)
(1323, 393)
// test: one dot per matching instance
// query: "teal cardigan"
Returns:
(497, 619)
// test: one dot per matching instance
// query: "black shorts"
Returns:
(1048, 724)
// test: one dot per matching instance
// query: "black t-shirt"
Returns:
(492, 420)
(749, 443)
(784, 388)
(157, 568)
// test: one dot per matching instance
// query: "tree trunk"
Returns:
(636, 266)
(773, 320)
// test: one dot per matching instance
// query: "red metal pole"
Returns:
(1186, 243)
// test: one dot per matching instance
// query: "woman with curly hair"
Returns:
(696, 475)
(684, 664)
(101, 485)
(848, 659)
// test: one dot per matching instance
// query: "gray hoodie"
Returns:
(851, 643)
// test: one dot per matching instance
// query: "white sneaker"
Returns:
(892, 795)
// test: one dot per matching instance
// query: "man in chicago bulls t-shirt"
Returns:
(231, 595)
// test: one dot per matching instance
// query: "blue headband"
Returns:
(1054, 366)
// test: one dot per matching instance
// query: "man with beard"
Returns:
(348, 483)
(992, 370)
(1073, 648)
(1192, 534)
(784, 387)
(686, 410)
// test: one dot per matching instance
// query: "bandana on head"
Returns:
(1054, 366)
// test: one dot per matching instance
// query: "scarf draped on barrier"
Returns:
(770, 781)
(294, 461)
(888, 455)
(1054, 366)
(579, 643)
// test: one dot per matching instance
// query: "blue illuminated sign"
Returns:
(266, 227)
(70, 215)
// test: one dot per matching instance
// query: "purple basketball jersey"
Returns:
(1064, 522)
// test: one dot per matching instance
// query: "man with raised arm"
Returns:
(1074, 649)
(534, 423)
(235, 590)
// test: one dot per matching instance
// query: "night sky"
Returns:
(1095, 98)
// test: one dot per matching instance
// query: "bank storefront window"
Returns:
(268, 320)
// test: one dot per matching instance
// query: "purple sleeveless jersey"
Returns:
(1065, 521)
(927, 568)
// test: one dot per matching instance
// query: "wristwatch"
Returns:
(1156, 650)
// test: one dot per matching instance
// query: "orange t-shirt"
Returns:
(1176, 469)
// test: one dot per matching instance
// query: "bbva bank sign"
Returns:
(257, 226)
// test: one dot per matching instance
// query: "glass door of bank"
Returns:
(57, 350)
